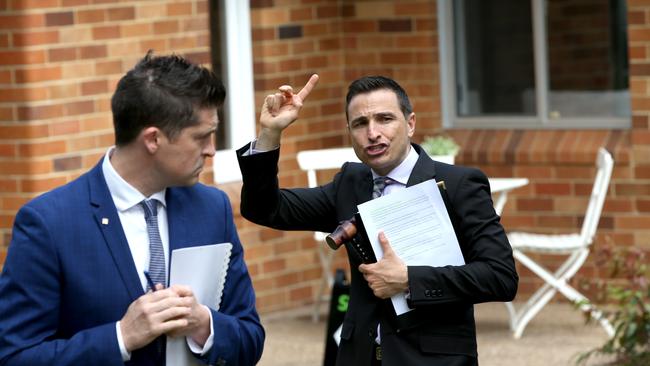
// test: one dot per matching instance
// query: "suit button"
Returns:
(427, 293)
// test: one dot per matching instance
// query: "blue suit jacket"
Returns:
(68, 278)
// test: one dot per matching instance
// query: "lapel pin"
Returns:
(104, 221)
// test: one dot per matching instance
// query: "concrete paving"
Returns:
(555, 337)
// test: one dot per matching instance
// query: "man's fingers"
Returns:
(385, 245)
(286, 90)
(311, 83)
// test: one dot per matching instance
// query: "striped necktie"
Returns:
(378, 186)
(156, 252)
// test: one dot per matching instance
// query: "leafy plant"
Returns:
(630, 316)
(440, 145)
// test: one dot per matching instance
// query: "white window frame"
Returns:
(450, 118)
(238, 79)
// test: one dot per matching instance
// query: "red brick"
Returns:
(59, 19)
(8, 185)
(534, 204)
(179, 9)
(62, 54)
(632, 222)
(39, 74)
(553, 188)
(21, 57)
(42, 148)
(106, 32)
(64, 128)
(41, 184)
(301, 14)
(23, 94)
(301, 294)
(33, 4)
(165, 27)
(7, 150)
(91, 16)
(136, 30)
(92, 52)
(273, 265)
(643, 205)
(81, 107)
(40, 112)
(22, 21)
(125, 13)
(13, 203)
(94, 87)
(67, 3)
(7, 114)
(35, 38)
(360, 26)
(67, 163)
(108, 68)
(414, 9)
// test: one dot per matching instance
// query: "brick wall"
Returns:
(59, 63)
(60, 59)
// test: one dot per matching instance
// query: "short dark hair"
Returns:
(369, 84)
(164, 92)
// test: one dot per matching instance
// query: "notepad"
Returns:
(203, 269)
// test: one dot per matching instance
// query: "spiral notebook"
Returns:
(204, 269)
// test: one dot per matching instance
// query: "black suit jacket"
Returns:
(441, 329)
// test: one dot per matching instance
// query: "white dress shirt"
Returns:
(127, 201)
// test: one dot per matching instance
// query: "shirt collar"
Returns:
(403, 171)
(124, 195)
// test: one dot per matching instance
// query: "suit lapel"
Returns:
(110, 226)
(424, 168)
(176, 223)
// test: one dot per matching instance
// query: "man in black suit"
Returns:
(440, 329)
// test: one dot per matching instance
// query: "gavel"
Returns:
(343, 233)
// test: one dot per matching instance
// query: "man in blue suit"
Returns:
(74, 290)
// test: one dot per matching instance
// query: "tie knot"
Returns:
(150, 207)
(379, 184)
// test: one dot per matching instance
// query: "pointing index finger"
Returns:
(311, 83)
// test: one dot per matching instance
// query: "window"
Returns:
(232, 56)
(534, 64)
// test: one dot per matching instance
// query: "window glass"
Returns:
(587, 58)
(495, 71)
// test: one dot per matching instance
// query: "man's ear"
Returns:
(410, 122)
(151, 139)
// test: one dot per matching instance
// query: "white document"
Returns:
(204, 269)
(417, 226)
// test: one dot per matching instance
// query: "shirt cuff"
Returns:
(126, 355)
(252, 150)
(194, 347)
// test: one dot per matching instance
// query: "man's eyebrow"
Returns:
(359, 119)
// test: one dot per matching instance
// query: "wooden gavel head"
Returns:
(342, 234)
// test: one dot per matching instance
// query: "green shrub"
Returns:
(440, 145)
(629, 292)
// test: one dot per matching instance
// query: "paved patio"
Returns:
(554, 337)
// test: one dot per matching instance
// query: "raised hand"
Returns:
(279, 111)
(389, 276)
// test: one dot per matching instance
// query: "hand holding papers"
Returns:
(203, 269)
(416, 222)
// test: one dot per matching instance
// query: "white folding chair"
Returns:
(312, 161)
(575, 245)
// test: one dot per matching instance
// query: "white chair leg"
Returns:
(545, 294)
(327, 280)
